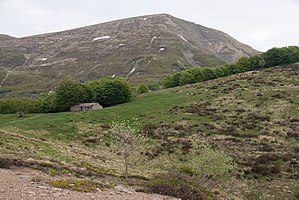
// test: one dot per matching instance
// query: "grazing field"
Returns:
(252, 118)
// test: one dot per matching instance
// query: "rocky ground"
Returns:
(25, 183)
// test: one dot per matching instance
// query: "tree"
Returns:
(142, 89)
(125, 134)
(172, 81)
(209, 73)
(69, 93)
(187, 77)
(45, 104)
(111, 91)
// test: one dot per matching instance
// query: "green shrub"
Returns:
(172, 81)
(153, 86)
(187, 169)
(4, 90)
(111, 91)
(46, 104)
(142, 89)
(178, 185)
(10, 106)
(69, 93)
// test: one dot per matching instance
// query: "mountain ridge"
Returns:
(141, 48)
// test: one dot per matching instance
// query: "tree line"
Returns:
(272, 57)
(107, 91)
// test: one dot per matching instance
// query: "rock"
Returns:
(30, 193)
(42, 187)
(2, 191)
(120, 188)
(111, 193)
(57, 194)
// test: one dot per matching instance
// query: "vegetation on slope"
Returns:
(251, 117)
(273, 57)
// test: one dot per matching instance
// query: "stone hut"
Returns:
(86, 107)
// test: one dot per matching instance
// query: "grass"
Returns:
(245, 115)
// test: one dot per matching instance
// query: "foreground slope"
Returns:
(140, 48)
(253, 117)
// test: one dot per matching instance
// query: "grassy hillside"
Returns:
(252, 117)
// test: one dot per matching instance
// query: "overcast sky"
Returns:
(262, 24)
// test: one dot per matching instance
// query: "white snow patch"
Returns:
(210, 44)
(162, 49)
(113, 75)
(183, 38)
(144, 18)
(101, 38)
(153, 39)
(50, 92)
(44, 59)
(3, 80)
(131, 71)
(120, 45)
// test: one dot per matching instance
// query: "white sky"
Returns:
(262, 24)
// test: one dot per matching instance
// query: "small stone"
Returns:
(30, 193)
(56, 195)
(122, 189)
(2, 191)
(42, 187)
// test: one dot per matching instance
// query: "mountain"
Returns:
(141, 48)
(5, 37)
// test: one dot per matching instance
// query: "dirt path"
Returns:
(25, 184)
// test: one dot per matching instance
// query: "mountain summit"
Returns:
(146, 47)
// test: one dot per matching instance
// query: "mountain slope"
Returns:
(5, 37)
(253, 117)
(139, 48)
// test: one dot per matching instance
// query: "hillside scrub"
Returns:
(271, 58)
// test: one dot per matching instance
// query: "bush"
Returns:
(10, 106)
(172, 81)
(4, 90)
(111, 91)
(69, 93)
(153, 86)
(142, 89)
(210, 162)
(46, 104)
(178, 185)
